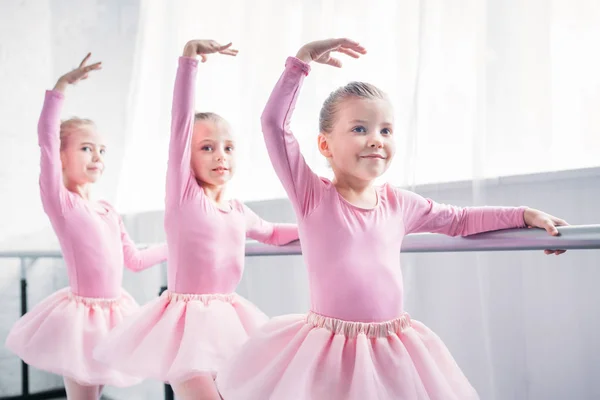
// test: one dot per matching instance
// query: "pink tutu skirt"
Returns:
(312, 357)
(179, 336)
(59, 334)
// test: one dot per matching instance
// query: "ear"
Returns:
(63, 159)
(324, 145)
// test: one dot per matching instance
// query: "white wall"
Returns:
(39, 41)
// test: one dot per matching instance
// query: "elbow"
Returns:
(134, 264)
(285, 234)
(269, 120)
(266, 119)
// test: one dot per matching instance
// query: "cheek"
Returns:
(232, 161)
(72, 159)
(391, 148)
(351, 148)
(199, 161)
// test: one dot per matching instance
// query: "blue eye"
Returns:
(229, 148)
(206, 148)
(102, 151)
(386, 131)
(359, 129)
(86, 148)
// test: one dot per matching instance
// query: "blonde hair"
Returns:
(208, 116)
(330, 107)
(68, 126)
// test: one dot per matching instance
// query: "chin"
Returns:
(214, 182)
(94, 178)
(370, 175)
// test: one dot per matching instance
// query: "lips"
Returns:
(376, 156)
(220, 169)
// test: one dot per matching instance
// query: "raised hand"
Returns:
(78, 74)
(320, 51)
(201, 48)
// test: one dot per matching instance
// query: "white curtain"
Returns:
(481, 89)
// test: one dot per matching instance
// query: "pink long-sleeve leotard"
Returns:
(93, 240)
(206, 243)
(353, 254)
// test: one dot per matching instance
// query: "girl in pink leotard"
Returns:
(186, 335)
(357, 342)
(59, 334)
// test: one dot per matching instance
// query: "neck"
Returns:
(358, 192)
(83, 190)
(215, 193)
(351, 184)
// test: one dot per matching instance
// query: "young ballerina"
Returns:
(357, 342)
(187, 334)
(59, 334)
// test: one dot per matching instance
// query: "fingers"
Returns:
(229, 52)
(85, 60)
(347, 51)
(548, 225)
(224, 47)
(93, 67)
(560, 222)
(350, 44)
(334, 62)
(203, 57)
(556, 252)
(345, 42)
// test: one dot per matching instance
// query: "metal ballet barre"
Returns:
(579, 237)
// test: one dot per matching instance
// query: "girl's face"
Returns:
(361, 144)
(82, 155)
(213, 152)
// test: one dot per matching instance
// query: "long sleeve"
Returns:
(52, 189)
(179, 171)
(425, 215)
(136, 259)
(303, 186)
(267, 232)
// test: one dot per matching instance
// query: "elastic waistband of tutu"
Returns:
(204, 298)
(94, 301)
(353, 329)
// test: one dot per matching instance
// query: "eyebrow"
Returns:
(361, 121)
(216, 141)
(92, 144)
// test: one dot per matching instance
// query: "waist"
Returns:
(204, 278)
(201, 297)
(91, 301)
(365, 303)
(355, 328)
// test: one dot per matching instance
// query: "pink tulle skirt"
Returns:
(59, 334)
(312, 357)
(179, 336)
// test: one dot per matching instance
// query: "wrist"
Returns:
(189, 51)
(527, 216)
(61, 85)
(304, 56)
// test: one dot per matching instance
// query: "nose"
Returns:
(375, 141)
(96, 156)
